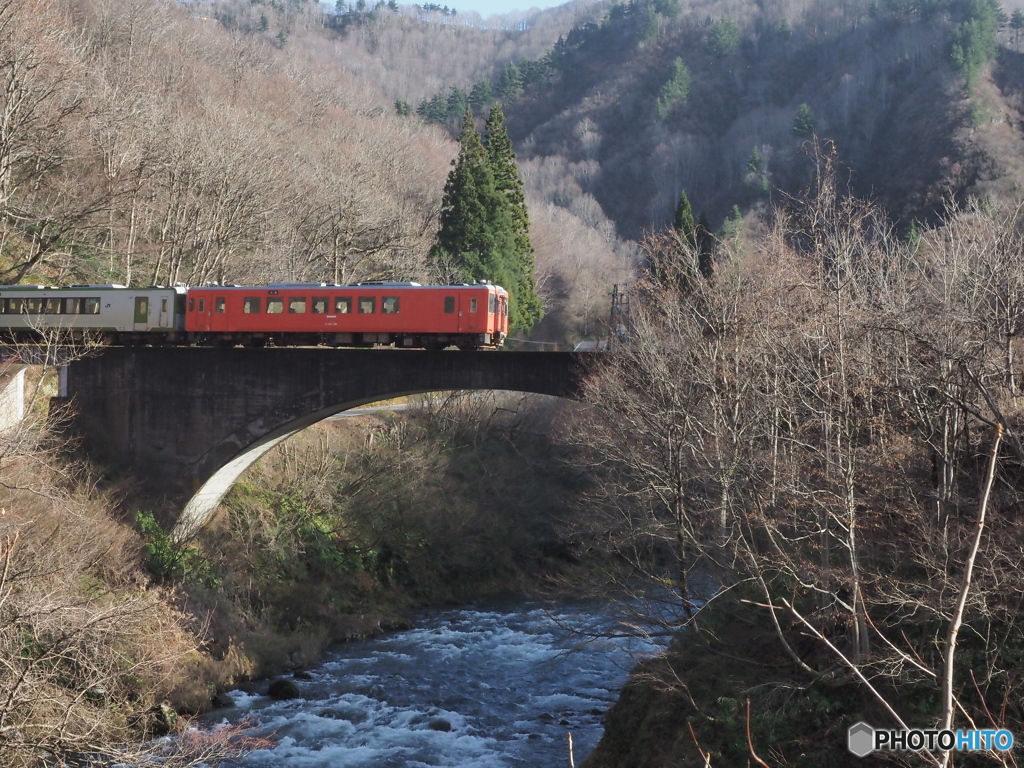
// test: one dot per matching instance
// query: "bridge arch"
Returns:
(189, 421)
(204, 502)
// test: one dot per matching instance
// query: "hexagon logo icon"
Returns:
(860, 739)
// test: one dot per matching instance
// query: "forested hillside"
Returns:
(267, 140)
(718, 99)
(148, 145)
(618, 108)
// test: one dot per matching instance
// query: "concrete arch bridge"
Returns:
(189, 421)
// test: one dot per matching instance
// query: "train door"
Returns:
(219, 313)
(164, 316)
(475, 315)
(451, 318)
(199, 312)
(142, 313)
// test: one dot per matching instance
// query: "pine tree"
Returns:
(683, 222)
(724, 37)
(474, 221)
(436, 110)
(485, 229)
(803, 123)
(510, 82)
(457, 103)
(649, 24)
(757, 170)
(732, 227)
(481, 97)
(675, 91)
(525, 306)
(974, 41)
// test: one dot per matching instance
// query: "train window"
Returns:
(33, 306)
(342, 304)
(51, 306)
(91, 306)
(15, 306)
(449, 305)
(297, 305)
(389, 305)
(163, 305)
(251, 305)
(367, 305)
(142, 309)
(220, 305)
(275, 306)
(202, 305)
(472, 305)
(319, 305)
(191, 305)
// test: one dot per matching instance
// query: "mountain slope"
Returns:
(879, 84)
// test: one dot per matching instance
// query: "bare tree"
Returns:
(814, 421)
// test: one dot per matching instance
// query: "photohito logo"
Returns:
(862, 739)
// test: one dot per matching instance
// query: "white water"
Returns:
(503, 679)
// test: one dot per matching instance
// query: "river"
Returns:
(477, 687)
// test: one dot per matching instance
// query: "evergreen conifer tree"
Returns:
(525, 306)
(803, 123)
(481, 96)
(483, 229)
(458, 103)
(510, 82)
(724, 37)
(475, 228)
(683, 222)
(675, 91)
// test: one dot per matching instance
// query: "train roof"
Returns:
(333, 286)
(91, 287)
(269, 286)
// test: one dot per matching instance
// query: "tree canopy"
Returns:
(484, 232)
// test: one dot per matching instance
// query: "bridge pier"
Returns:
(12, 395)
(188, 421)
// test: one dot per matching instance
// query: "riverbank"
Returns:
(349, 528)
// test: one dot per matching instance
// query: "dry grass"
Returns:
(88, 649)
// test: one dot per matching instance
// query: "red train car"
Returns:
(361, 315)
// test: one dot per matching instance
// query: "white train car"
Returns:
(117, 313)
